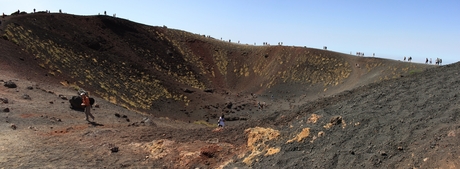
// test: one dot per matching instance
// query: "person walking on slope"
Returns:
(220, 122)
(87, 105)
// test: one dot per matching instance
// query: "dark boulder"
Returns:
(209, 90)
(10, 84)
(75, 102)
(229, 105)
(188, 91)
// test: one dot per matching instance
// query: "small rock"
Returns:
(400, 148)
(26, 96)
(96, 105)
(13, 126)
(51, 102)
(113, 148)
(63, 97)
(124, 116)
(6, 109)
(117, 115)
(10, 84)
(30, 87)
(188, 91)
(4, 100)
(209, 90)
(336, 120)
(383, 153)
(33, 128)
(229, 105)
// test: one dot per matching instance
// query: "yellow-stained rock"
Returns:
(303, 134)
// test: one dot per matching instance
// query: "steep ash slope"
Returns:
(142, 67)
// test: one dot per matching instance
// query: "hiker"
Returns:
(85, 103)
(404, 58)
(220, 122)
(426, 61)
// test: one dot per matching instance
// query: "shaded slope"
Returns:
(407, 122)
(142, 67)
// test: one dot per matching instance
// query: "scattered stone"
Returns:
(212, 141)
(124, 116)
(30, 87)
(51, 102)
(55, 119)
(4, 100)
(13, 126)
(383, 153)
(336, 120)
(400, 148)
(33, 128)
(10, 84)
(209, 90)
(113, 148)
(188, 91)
(63, 97)
(96, 105)
(147, 121)
(26, 96)
(229, 105)
(117, 115)
(6, 109)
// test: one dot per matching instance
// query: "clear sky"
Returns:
(389, 28)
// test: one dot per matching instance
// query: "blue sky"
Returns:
(389, 28)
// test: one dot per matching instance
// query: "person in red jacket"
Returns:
(87, 105)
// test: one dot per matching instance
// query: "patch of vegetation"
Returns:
(202, 122)
(414, 71)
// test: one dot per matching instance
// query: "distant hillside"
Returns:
(142, 67)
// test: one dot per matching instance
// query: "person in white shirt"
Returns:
(220, 122)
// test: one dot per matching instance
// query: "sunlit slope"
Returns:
(135, 65)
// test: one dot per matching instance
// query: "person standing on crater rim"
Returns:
(87, 105)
